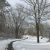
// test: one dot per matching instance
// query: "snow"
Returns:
(34, 39)
(27, 44)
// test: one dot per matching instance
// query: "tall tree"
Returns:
(18, 18)
(19, 15)
(39, 9)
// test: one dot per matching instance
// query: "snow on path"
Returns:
(28, 44)
(3, 43)
(31, 47)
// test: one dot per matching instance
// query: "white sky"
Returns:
(13, 2)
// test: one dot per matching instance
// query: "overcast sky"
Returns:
(13, 2)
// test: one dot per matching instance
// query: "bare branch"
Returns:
(29, 2)
(43, 8)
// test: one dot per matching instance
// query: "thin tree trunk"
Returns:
(37, 29)
(16, 32)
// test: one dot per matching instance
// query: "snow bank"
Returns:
(34, 38)
(24, 44)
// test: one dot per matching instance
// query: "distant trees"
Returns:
(3, 4)
(31, 31)
(41, 27)
(39, 9)
(46, 31)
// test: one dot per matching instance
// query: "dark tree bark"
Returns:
(37, 29)
(16, 32)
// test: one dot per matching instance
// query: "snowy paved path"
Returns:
(34, 47)
(28, 44)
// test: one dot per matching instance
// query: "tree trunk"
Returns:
(37, 29)
(16, 32)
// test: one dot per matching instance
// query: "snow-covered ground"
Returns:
(34, 39)
(27, 44)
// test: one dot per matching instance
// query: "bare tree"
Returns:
(19, 16)
(39, 9)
